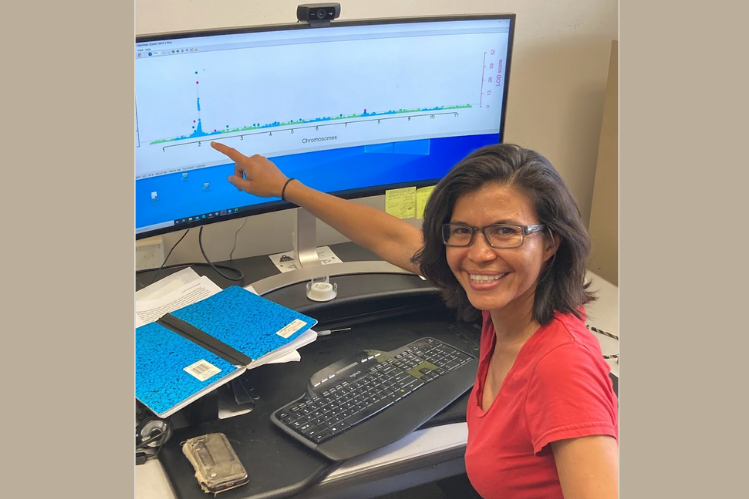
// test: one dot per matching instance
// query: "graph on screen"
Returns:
(323, 93)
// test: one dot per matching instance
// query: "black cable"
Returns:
(145, 452)
(231, 254)
(165, 259)
(159, 435)
(192, 264)
(601, 331)
(610, 335)
(239, 272)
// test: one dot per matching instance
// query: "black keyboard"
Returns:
(374, 398)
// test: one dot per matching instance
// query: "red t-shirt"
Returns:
(557, 388)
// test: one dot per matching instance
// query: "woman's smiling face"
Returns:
(495, 278)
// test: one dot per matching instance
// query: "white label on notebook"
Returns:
(202, 370)
(292, 328)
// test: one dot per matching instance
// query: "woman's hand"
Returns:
(255, 174)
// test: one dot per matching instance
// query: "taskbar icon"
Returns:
(205, 216)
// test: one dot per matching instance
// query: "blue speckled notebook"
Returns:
(198, 348)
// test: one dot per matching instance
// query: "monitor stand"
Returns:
(308, 262)
(305, 240)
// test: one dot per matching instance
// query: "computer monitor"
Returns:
(352, 109)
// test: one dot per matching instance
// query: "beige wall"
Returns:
(555, 103)
(604, 215)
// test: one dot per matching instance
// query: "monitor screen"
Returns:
(351, 109)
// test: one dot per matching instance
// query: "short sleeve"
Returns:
(570, 395)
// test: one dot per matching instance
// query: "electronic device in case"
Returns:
(217, 467)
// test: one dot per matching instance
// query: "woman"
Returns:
(502, 236)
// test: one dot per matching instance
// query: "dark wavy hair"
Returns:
(561, 286)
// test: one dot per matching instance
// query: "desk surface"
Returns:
(152, 483)
(421, 448)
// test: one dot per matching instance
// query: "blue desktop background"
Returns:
(206, 190)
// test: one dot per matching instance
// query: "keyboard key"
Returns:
(322, 436)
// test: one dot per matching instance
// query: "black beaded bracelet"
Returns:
(283, 191)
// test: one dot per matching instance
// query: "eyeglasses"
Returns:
(499, 236)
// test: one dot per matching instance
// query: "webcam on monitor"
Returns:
(318, 14)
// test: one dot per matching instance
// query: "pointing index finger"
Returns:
(229, 151)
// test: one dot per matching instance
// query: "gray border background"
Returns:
(68, 259)
(682, 79)
(68, 349)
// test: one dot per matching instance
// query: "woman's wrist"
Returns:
(285, 185)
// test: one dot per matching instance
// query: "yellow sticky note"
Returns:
(422, 196)
(401, 203)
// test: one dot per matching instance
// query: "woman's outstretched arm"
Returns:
(390, 238)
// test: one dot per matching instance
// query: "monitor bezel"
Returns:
(278, 205)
